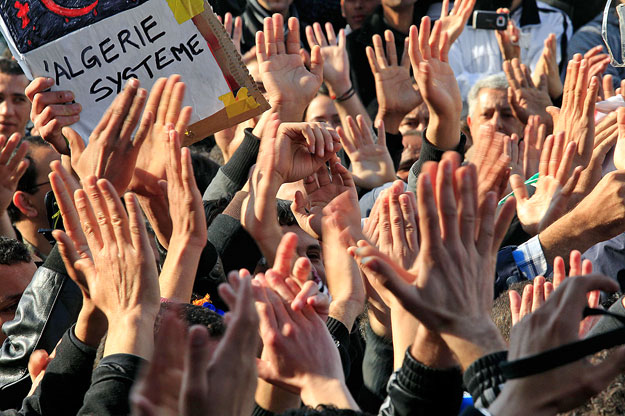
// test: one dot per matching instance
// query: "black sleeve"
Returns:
(238, 167)
(259, 411)
(416, 389)
(377, 367)
(431, 153)
(66, 380)
(111, 384)
(49, 306)
(340, 335)
(484, 380)
(236, 248)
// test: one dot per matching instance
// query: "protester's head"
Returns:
(276, 6)
(16, 271)
(322, 109)
(412, 128)
(14, 106)
(356, 11)
(488, 104)
(321, 410)
(28, 201)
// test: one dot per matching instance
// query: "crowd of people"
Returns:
(429, 220)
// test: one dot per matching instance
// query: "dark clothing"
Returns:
(253, 18)
(377, 367)
(416, 389)
(49, 306)
(359, 39)
(484, 379)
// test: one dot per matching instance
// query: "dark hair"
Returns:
(29, 179)
(198, 315)
(10, 67)
(322, 410)
(13, 252)
(500, 312)
(285, 215)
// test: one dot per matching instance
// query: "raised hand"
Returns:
(491, 162)
(112, 149)
(525, 98)
(533, 139)
(188, 225)
(51, 111)
(555, 324)
(290, 86)
(116, 264)
(619, 150)
(393, 85)
(372, 165)
(234, 28)
(165, 105)
(508, 39)
(302, 148)
(299, 354)
(205, 390)
(547, 71)
(597, 62)
(555, 186)
(577, 116)
(12, 167)
(334, 54)
(437, 83)
(290, 279)
(457, 240)
(320, 188)
(454, 22)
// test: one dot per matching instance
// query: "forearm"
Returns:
(91, 325)
(404, 329)
(179, 270)
(353, 106)
(429, 349)
(565, 235)
(392, 120)
(443, 132)
(131, 333)
(346, 311)
(474, 341)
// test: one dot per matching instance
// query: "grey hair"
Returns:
(496, 81)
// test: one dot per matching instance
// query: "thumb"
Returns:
(316, 62)
(37, 363)
(554, 112)
(76, 143)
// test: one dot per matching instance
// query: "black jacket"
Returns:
(49, 306)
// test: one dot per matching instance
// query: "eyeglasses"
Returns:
(620, 11)
(36, 186)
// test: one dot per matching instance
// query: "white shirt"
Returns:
(475, 54)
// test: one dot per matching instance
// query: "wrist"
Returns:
(346, 311)
(443, 131)
(131, 333)
(317, 390)
(339, 87)
(474, 339)
(91, 325)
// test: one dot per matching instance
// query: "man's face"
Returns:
(13, 281)
(308, 247)
(276, 6)
(14, 106)
(322, 109)
(411, 128)
(356, 11)
(42, 156)
(492, 108)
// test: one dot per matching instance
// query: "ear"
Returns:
(469, 121)
(22, 201)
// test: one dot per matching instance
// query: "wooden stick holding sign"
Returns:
(93, 49)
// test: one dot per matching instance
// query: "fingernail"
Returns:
(133, 82)
(49, 81)
(68, 96)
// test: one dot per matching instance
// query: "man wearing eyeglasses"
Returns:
(28, 209)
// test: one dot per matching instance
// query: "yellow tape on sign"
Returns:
(239, 105)
(185, 9)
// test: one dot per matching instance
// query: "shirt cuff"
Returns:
(530, 259)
